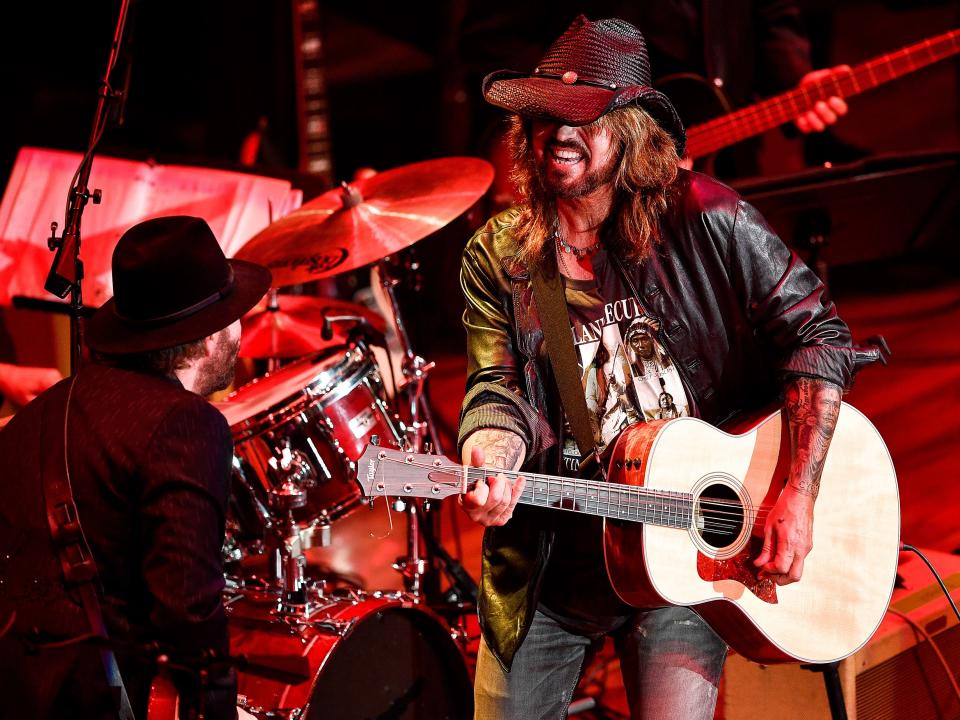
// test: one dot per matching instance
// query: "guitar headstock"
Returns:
(383, 471)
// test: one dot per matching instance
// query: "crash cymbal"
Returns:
(358, 224)
(295, 326)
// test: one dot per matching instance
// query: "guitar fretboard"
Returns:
(611, 500)
(716, 134)
(313, 113)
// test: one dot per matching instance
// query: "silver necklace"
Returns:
(577, 252)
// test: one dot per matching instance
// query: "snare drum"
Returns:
(368, 657)
(307, 422)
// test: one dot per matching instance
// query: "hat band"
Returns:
(225, 290)
(578, 81)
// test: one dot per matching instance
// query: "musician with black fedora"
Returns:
(148, 462)
(609, 232)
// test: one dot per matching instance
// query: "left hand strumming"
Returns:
(824, 112)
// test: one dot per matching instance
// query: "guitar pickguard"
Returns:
(741, 569)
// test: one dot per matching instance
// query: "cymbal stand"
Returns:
(415, 370)
(273, 305)
(289, 560)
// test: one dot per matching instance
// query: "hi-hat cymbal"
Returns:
(295, 327)
(348, 228)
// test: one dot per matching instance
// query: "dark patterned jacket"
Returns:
(150, 469)
(738, 312)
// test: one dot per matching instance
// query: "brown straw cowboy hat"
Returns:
(172, 284)
(593, 68)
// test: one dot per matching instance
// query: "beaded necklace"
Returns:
(577, 252)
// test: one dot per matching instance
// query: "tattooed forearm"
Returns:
(812, 407)
(501, 448)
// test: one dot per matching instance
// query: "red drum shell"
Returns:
(323, 411)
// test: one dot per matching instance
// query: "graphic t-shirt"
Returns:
(627, 377)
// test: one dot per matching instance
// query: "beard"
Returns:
(556, 184)
(216, 371)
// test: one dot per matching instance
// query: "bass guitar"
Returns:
(683, 519)
(695, 96)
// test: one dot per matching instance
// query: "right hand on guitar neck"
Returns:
(492, 500)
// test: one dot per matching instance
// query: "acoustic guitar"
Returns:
(683, 519)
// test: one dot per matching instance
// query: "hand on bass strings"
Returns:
(825, 112)
(492, 500)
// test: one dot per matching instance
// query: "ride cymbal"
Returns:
(349, 227)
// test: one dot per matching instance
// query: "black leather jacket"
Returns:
(738, 311)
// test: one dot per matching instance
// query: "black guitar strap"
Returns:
(555, 320)
(76, 561)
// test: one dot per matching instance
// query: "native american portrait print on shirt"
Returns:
(627, 375)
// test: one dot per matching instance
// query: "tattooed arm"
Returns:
(492, 501)
(812, 406)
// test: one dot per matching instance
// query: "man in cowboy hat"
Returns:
(148, 460)
(596, 154)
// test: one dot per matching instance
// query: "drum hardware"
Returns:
(420, 522)
(273, 307)
(289, 561)
(294, 466)
(284, 327)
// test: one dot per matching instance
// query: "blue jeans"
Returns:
(670, 659)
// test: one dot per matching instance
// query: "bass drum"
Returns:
(368, 657)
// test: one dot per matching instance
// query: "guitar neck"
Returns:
(599, 498)
(721, 132)
(313, 123)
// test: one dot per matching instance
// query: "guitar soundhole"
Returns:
(719, 516)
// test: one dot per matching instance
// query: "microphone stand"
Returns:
(66, 273)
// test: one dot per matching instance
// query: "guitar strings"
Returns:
(629, 492)
(629, 498)
(860, 78)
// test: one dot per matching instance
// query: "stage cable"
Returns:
(9, 624)
(911, 548)
(934, 645)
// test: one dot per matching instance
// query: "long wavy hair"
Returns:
(647, 166)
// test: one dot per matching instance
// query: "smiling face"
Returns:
(573, 161)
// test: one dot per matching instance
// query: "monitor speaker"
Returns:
(897, 675)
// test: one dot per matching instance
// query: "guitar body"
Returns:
(848, 576)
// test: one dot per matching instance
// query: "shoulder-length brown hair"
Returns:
(647, 166)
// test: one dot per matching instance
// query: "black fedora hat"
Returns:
(172, 284)
(593, 68)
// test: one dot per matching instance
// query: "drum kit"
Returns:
(298, 431)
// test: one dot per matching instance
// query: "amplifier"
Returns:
(896, 675)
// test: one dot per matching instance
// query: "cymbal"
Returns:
(349, 227)
(295, 327)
